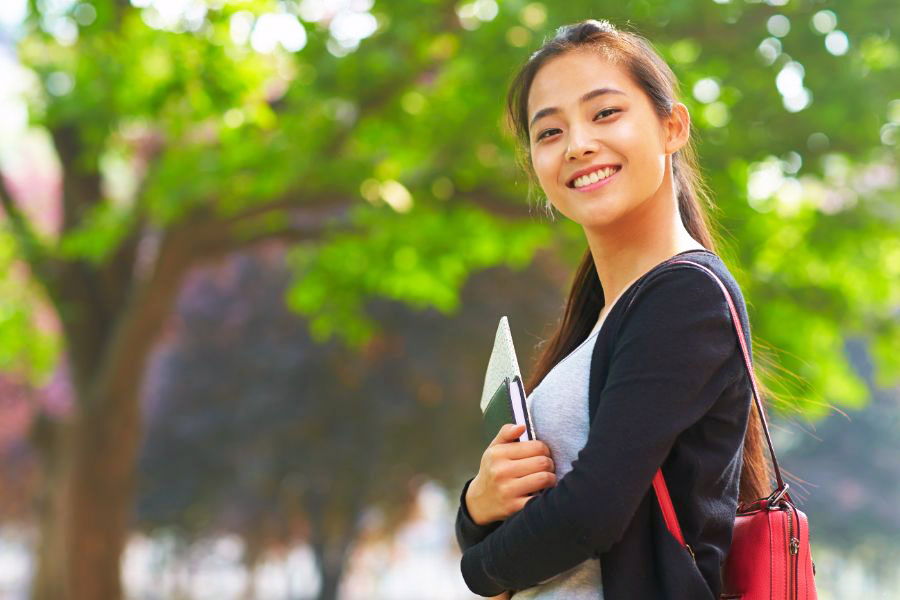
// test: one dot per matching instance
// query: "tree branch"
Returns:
(122, 363)
(496, 204)
(188, 244)
(81, 187)
(285, 219)
(34, 250)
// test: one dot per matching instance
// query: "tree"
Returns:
(254, 429)
(186, 134)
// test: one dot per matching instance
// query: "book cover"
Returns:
(503, 397)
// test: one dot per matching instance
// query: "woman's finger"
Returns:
(522, 486)
(532, 464)
(509, 432)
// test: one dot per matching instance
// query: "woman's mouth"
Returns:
(595, 180)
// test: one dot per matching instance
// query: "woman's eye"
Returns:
(614, 110)
(547, 132)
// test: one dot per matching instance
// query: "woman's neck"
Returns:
(647, 236)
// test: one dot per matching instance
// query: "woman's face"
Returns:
(576, 131)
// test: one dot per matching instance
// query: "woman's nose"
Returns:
(581, 144)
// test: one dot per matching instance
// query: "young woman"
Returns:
(645, 369)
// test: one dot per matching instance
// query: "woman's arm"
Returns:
(509, 474)
(667, 369)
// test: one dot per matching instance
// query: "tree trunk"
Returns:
(101, 486)
(331, 557)
(330, 543)
(85, 505)
(250, 560)
(93, 482)
(47, 436)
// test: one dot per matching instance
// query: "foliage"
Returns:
(27, 346)
(371, 137)
(404, 128)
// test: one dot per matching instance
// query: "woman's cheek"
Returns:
(545, 172)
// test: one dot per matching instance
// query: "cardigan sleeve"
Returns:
(668, 366)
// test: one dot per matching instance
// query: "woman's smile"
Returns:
(594, 180)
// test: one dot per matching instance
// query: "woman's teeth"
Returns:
(594, 177)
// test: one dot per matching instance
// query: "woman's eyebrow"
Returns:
(587, 97)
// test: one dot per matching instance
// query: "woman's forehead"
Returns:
(566, 78)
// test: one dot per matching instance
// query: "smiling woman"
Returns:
(645, 371)
(581, 140)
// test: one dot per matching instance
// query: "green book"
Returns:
(503, 396)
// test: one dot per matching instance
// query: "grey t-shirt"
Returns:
(559, 408)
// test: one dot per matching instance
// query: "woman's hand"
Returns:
(510, 472)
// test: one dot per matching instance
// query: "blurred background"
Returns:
(253, 255)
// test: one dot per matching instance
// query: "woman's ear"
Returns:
(678, 128)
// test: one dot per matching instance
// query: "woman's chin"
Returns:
(594, 212)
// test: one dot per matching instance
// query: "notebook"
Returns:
(503, 396)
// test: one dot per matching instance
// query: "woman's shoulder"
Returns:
(716, 272)
(689, 289)
(689, 283)
(694, 260)
(699, 271)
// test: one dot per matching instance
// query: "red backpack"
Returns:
(769, 558)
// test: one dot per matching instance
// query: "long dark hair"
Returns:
(649, 71)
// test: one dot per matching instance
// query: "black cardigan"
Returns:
(667, 387)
